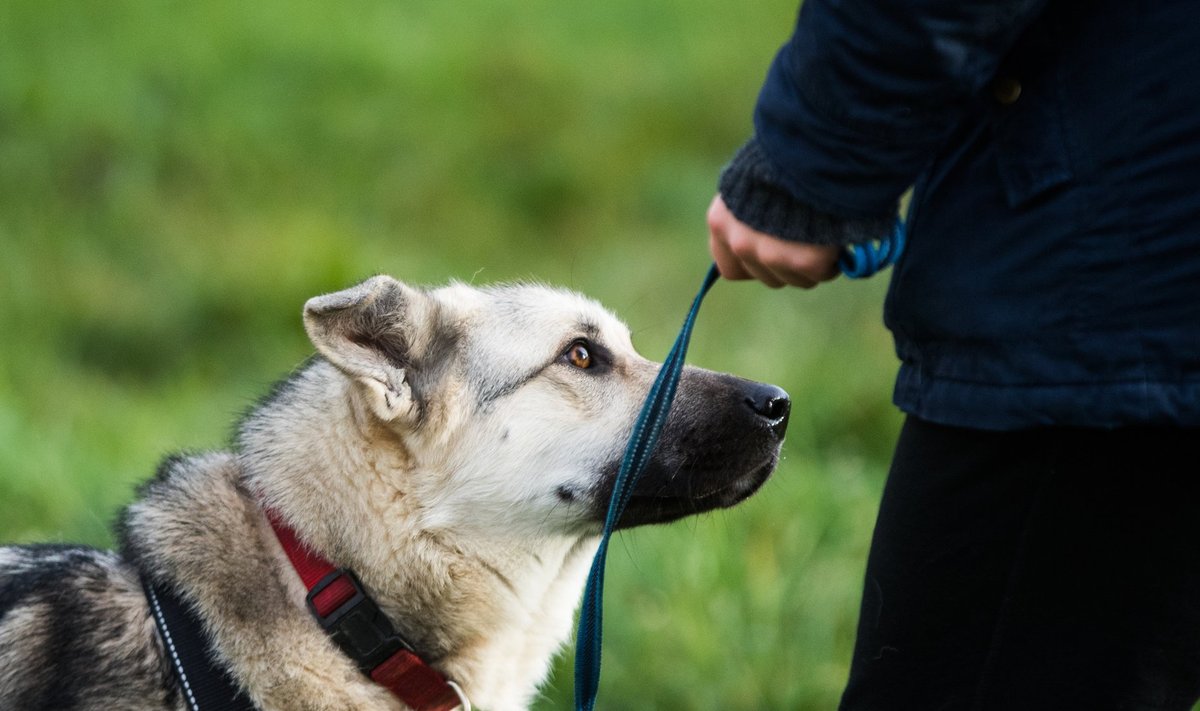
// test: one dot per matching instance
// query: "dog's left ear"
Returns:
(367, 331)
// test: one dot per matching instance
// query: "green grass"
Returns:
(177, 178)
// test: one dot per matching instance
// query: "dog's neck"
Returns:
(489, 612)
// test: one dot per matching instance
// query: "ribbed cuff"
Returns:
(752, 191)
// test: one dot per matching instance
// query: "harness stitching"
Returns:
(166, 635)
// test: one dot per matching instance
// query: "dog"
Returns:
(456, 448)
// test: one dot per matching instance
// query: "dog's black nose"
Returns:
(771, 403)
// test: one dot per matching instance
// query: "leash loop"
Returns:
(859, 261)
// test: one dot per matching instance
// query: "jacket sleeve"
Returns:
(856, 104)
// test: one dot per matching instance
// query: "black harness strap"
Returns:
(205, 684)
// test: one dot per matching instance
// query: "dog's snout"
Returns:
(771, 403)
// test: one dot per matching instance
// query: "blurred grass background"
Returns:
(177, 178)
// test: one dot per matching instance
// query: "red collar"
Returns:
(342, 607)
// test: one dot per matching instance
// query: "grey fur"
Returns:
(439, 445)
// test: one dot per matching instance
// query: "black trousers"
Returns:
(1036, 570)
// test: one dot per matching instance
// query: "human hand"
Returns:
(741, 252)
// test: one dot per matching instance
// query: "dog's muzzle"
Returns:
(720, 444)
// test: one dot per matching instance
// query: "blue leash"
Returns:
(857, 262)
(637, 454)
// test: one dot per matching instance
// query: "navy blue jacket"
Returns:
(1052, 275)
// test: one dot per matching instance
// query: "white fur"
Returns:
(457, 522)
(445, 450)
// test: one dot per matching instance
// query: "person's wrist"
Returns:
(753, 191)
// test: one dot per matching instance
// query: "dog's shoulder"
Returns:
(190, 504)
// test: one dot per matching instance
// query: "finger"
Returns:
(727, 264)
(785, 261)
(720, 220)
(744, 244)
(780, 262)
(791, 278)
(732, 245)
(799, 264)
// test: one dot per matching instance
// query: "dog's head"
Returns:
(513, 406)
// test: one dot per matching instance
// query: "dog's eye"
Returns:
(579, 356)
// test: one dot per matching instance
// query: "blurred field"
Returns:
(177, 178)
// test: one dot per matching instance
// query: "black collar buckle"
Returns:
(358, 626)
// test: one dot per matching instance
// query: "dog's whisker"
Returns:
(499, 412)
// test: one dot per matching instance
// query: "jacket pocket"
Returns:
(1031, 145)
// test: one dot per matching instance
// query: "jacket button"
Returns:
(1006, 90)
